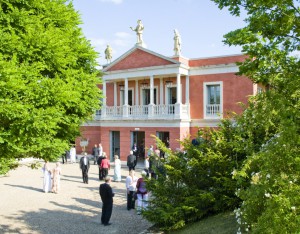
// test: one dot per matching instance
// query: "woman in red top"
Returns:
(105, 166)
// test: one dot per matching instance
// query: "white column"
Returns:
(115, 94)
(103, 110)
(161, 88)
(178, 93)
(152, 90)
(104, 92)
(126, 92)
(187, 90)
(136, 92)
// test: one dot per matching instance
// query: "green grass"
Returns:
(221, 224)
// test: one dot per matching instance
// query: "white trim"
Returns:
(205, 84)
(214, 69)
(167, 93)
(169, 70)
(205, 123)
(136, 47)
(138, 124)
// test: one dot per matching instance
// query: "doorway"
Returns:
(138, 138)
(114, 144)
(165, 138)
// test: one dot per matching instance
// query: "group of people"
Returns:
(135, 187)
(51, 181)
(69, 154)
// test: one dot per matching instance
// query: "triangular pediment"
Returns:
(139, 57)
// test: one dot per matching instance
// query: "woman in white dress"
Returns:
(73, 155)
(56, 172)
(117, 170)
(47, 178)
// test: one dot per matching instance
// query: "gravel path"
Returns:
(25, 208)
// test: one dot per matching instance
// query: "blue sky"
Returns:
(200, 23)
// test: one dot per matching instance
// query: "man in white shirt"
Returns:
(131, 187)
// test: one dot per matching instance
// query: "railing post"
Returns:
(178, 110)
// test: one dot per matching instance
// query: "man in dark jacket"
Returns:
(131, 161)
(95, 152)
(106, 195)
(85, 166)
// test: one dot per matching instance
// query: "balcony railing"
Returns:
(172, 111)
(213, 110)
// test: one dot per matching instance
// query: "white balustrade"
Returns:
(212, 110)
(142, 112)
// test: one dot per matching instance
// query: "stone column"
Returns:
(125, 106)
(115, 94)
(103, 110)
(151, 104)
(161, 88)
(187, 89)
(136, 92)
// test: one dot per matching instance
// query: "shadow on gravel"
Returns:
(8, 229)
(76, 219)
(25, 187)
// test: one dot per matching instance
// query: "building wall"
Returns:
(93, 134)
(235, 89)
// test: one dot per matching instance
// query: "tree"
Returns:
(271, 40)
(48, 79)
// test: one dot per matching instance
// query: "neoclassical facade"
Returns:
(147, 94)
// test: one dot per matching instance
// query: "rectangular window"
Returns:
(213, 100)
(146, 96)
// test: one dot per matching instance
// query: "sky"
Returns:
(200, 23)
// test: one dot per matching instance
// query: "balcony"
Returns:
(213, 111)
(170, 112)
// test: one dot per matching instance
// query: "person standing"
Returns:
(65, 156)
(47, 178)
(56, 172)
(106, 195)
(85, 166)
(130, 188)
(117, 170)
(142, 193)
(131, 161)
(100, 150)
(105, 166)
(147, 165)
(73, 154)
(95, 153)
(135, 150)
(100, 158)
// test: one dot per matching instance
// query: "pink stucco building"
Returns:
(147, 94)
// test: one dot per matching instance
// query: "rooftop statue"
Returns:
(139, 32)
(177, 43)
(108, 53)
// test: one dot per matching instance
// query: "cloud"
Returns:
(112, 1)
(123, 35)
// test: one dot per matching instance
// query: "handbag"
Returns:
(134, 196)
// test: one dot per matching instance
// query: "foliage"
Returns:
(48, 79)
(271, 40)
(198, 182)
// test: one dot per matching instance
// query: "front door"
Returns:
(114, 144)
(139, 138)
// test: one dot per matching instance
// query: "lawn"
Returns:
(222, 224)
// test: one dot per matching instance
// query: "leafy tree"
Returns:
(271, 40)
(48, 79)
